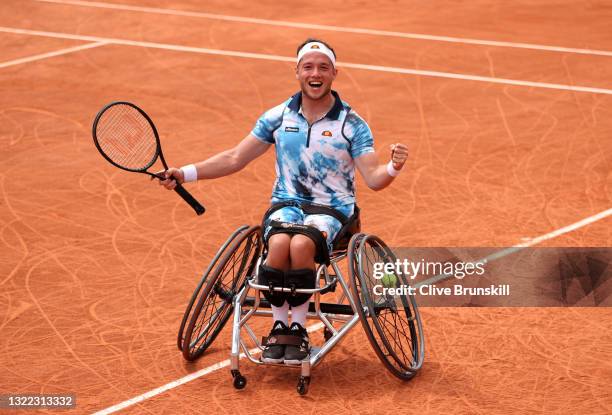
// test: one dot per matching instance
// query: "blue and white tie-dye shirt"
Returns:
(315, 163)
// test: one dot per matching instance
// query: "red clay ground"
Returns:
(97, 264)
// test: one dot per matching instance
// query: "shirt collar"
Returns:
(333, 114)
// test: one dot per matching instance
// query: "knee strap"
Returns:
(299, 278)
(272, 277)
(321, 251)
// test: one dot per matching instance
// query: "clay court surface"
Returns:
(97, 264)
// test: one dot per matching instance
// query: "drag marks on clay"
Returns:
(465, 160)
(62, 254)
(536, 357)
(111, 262)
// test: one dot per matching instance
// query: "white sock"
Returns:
(281, 313)
(298, 313)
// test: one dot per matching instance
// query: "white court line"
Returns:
(527, 243)
(314, 327)
(183, 380)
(378, 68)
(566, 229)
(52, 54)
(373, 32)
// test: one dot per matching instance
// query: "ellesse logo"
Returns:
(326, 133)
(314, 47)
(292, 129)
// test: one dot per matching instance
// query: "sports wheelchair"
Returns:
(229, 285)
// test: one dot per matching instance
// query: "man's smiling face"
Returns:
(316, 73)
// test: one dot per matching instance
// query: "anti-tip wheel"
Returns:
(302, 386)
(239, 381)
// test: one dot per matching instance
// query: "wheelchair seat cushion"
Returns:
(350, 228)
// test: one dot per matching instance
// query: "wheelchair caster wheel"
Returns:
(327, 334)
(302, 386)
(239, 380)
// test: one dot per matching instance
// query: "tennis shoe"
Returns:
(295, 354)
(273, 352)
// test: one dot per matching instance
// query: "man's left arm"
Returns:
(378, 176)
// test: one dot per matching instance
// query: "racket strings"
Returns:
(126, 137)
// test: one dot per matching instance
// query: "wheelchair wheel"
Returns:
(227, 277)
(392, 323)
(203, 280)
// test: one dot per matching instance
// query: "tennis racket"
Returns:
(127, 138)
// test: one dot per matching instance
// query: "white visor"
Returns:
(318, 47)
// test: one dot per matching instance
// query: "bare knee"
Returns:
(278, 251)
(302, 252)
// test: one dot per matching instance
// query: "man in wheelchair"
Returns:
(297, 236)
(319, 140)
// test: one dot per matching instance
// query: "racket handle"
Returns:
(199, 209)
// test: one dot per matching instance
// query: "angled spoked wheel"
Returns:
(392, 322)
(214, 296)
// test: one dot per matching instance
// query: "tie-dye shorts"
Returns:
(329, 225)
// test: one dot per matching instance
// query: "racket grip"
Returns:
(199, 209)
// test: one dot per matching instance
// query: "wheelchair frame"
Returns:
(360, 307)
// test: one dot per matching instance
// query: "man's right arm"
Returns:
(222, 164)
